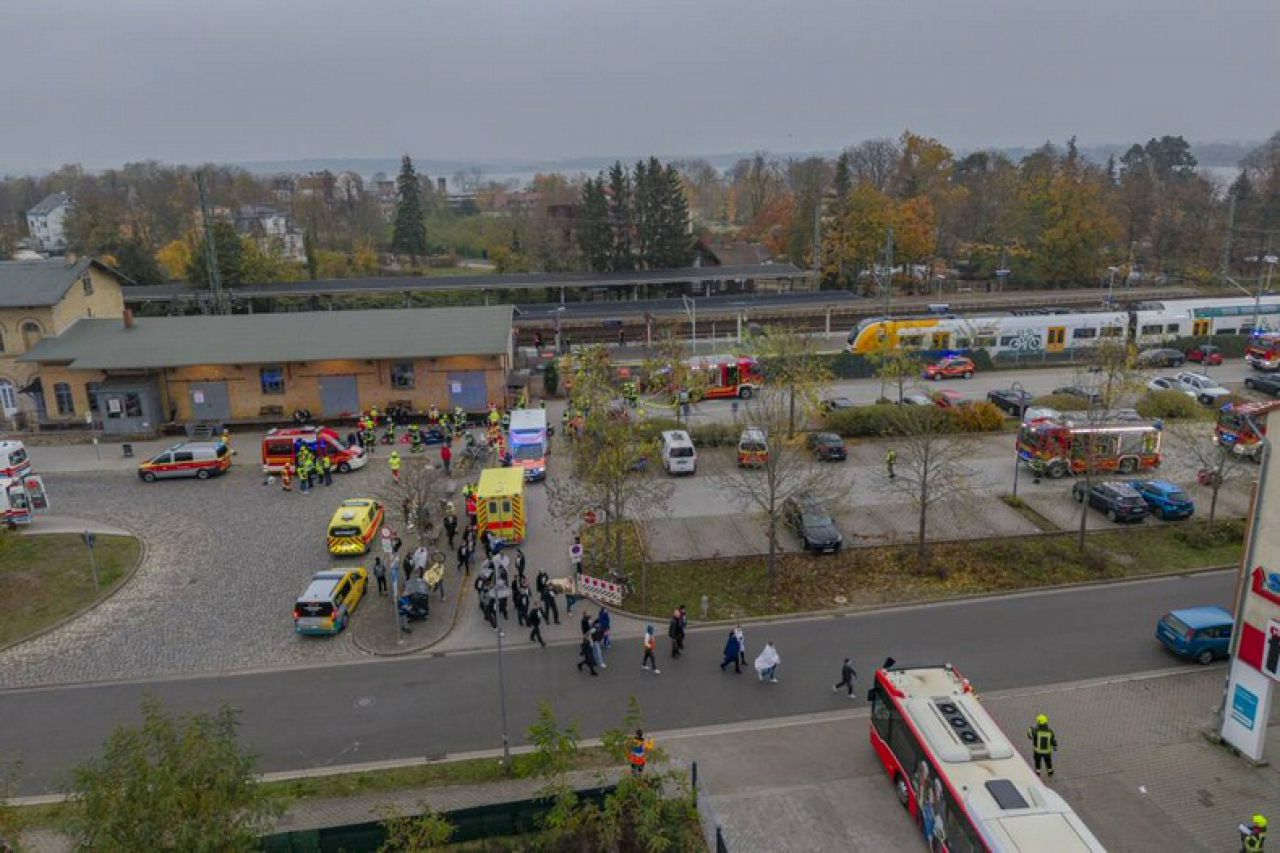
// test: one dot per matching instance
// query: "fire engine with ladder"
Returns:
(1240, 427)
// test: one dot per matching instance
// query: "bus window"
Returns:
(881, 713)
(903, 743)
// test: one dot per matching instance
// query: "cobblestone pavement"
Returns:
(225, 561)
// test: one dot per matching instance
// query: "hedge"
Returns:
(889, 420)
(1169, 405)
(1061, 402)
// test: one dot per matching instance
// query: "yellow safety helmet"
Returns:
(1260, 821)
(1042, 720)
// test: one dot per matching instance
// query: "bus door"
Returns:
(1056, 340)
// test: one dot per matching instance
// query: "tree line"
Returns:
(1050, 216)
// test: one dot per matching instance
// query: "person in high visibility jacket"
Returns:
(286, 477)
(433, 417)
(1044, 743)
(638, 754)
(415, 438)
(1253, 836)
(889, 459)
(494, 417)
(394, 462)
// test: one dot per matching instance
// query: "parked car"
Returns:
(1171, 383)
(1091, 397)
(950, 367)
(1202, 634)
(1118, 501)
(834, 404)
(1037, 413)
(1207, 390)
(329, 600)
(1165, 500)
(917, 400)
(827, 447)
(1206, 354)
(813, 524)
(1161, 357)
(1011, 400)
(1267, 383)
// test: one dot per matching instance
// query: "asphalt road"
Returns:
(432, 706)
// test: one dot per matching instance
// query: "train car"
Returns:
(1155, 323)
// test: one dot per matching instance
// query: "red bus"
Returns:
(1059, 447)
(957, 774)
(1263, 351)
(727, 376)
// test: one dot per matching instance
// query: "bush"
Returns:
(979, 417)
(1062, 402)
(652, 429)
(863, 421)
(715, 435)
(1169, 405)
(982, 359)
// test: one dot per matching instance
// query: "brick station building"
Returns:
(137, 373)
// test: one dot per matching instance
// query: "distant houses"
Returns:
(274, 232)
(46, 222)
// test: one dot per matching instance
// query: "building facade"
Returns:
(138, 374)
(46, 222)
(42, 299)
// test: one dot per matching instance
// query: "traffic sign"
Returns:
(590, 517)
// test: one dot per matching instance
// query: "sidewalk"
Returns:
(1133, 763)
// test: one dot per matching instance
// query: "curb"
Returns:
(453, 623)
(124, 581)
(839, 612)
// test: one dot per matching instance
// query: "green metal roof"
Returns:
(279, 338)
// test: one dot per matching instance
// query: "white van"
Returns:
(678, 453)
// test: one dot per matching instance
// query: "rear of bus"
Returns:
(528, 440)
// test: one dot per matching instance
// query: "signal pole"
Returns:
(210, 248)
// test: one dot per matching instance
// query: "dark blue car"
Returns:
(1202, 634)
(1166, 500)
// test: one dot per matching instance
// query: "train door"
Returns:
(1200, 328)
(941, 340)
(1057, 339)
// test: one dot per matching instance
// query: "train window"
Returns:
(962, 343)
(910, 341)
(1225, 332)
(1172, 328)
(984, 341)
(1084, 333)
(1152, 330)
(1112, 332)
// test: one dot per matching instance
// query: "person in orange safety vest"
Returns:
(638, 755)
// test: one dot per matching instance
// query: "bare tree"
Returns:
(793, 364)
(893, 366)
(418, 496)
(1215, 464)
(874, 161)
(931, 468)
(787, 472)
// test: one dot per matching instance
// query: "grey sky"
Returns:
(103, 82)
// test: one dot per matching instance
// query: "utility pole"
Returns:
(1225, 269)
(817, 240)
(888, 281)
(210, 248)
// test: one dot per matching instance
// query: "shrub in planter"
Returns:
(979, 417)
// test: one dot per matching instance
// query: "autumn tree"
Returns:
(893, 366)
(792, 363)
(855, 237)
(874, 162)
(1215, 464)
(930, 468)
(409, 236)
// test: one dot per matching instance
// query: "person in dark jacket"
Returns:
(587, 656)
(731, 649)
(549, 609)
(675, 630)
(535, 623)
(847, 675)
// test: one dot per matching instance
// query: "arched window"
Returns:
(30, 334)
(8, 395)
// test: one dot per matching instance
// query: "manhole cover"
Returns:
(364, 702)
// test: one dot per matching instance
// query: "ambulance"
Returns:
(280, 448)
(21, 498)
(13, 459)
(500, 504)
(527, 436)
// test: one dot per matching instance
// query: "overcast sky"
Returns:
(104, 82)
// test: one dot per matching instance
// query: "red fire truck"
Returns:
(1263, 352)
(280, 447)
(956, 773)
(1241, 426)
(726, 376)
(1056, 448)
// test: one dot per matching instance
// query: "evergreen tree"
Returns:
(409, 236)
(135, 262)
(595, 236)
(621, 220)
(230, 254)
(844, 176)
(675, 245)
(645, 214)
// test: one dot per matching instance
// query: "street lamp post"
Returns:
(559, 340)
(502, 701)
(1111, 282)
(691, 308)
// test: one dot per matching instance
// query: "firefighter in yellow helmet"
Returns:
(1253, 836)
(394, 462)
(1044, 743)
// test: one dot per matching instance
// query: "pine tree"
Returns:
(675, 245)
(645, 215)
(621, 219)
(409, 236)
(595, 237)
(844, 176)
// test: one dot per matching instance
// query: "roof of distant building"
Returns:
(279, 338)
(39, 284)
(50, 203)
(739, 254)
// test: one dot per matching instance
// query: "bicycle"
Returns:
(623, 580)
